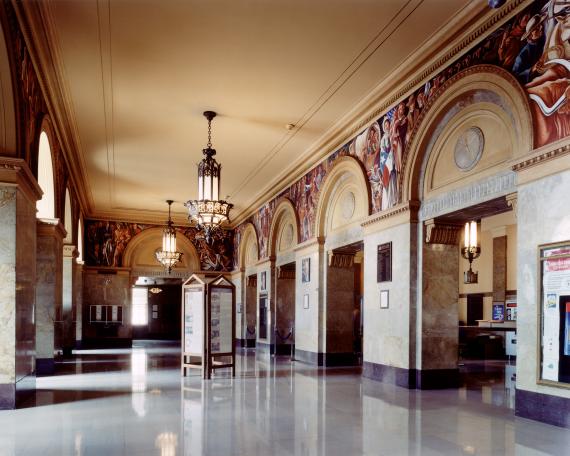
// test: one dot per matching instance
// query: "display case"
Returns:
(208, 324)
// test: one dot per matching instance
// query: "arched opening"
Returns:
(67, 222)
(46, 205)
(344, 203)
(283, 238)
(248, 258)
(460, 171)
(80, 241)
(155, 295)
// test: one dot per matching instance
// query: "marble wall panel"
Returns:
(25, 286)
(7, 284)
(106, 289)
(387, 331)
(543, 217)
(47, 293)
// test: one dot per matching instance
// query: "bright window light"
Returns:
(140, 306)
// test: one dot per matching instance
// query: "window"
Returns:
(45, 206)
(140, 306)
(79, 241)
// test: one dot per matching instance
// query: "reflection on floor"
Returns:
(133, 402)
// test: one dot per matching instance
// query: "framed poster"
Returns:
(554, 315)
(384, 263)
(193, 321)
(306, 270)
(498, 311)
(384, 299)
(221, 320)
(305, 301)
(263, 281)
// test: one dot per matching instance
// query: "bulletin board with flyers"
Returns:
(554, 314)
(208, 324)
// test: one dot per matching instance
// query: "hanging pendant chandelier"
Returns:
(168, 256)
(208, 211)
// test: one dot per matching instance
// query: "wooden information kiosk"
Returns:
(208, 324)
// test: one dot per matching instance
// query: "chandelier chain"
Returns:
(209, 145)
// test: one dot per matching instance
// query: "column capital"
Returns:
(16, 172)
(51, 227)
(441, 232)
(69, 251)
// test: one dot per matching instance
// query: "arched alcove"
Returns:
(46, 205)
(484, 102)
(67, 222)
(284, 230)
(344, 199)
(248, 247)
(140, 256)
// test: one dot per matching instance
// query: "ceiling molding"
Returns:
(449, 43)
(36, 24)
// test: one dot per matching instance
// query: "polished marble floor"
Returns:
(134, 402)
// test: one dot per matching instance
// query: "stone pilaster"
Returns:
(78, 302)
(19, 192)
(68, 334)
(50, 234)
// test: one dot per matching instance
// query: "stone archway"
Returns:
(459, 166)
(344, 203)
(139, 255)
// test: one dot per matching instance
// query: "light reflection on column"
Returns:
(167, 442)
(78, 443)
(138, 380)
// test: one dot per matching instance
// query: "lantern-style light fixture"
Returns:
(470, 251)
(208, 211)
(168, 256)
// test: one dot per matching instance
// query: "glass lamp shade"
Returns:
(168, 256)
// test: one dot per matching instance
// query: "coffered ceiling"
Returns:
(137, 75)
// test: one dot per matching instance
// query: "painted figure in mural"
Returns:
(550, 89)
(512, 41)
(372, 146)
(413, 114)
(387, 167)
(398, 134)
(525, 66)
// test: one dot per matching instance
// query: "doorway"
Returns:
(285, 309)
(250, 311)
(344, 305)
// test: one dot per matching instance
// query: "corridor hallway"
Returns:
(134, 402)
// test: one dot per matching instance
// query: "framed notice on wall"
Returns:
(554, 314)
(384, 271)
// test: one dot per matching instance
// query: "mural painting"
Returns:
(106, 241)
(534, 46)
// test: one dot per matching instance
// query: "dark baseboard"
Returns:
(546, 408)
(107, 343)
(326, 359)
(45, 366)
(245, 343)
(7, 396)
(437, 378)
(406, 378)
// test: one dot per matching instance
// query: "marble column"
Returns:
(340, 310)
(439, 312)
(19, 192)
(49, 242)
(69, 290)
(78, 302)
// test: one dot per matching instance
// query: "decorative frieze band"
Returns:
(478, 192)
(543, 157)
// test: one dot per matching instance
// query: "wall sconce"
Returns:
(470, 252)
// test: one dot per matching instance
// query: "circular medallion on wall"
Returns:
(469, 148)
(348, 204)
